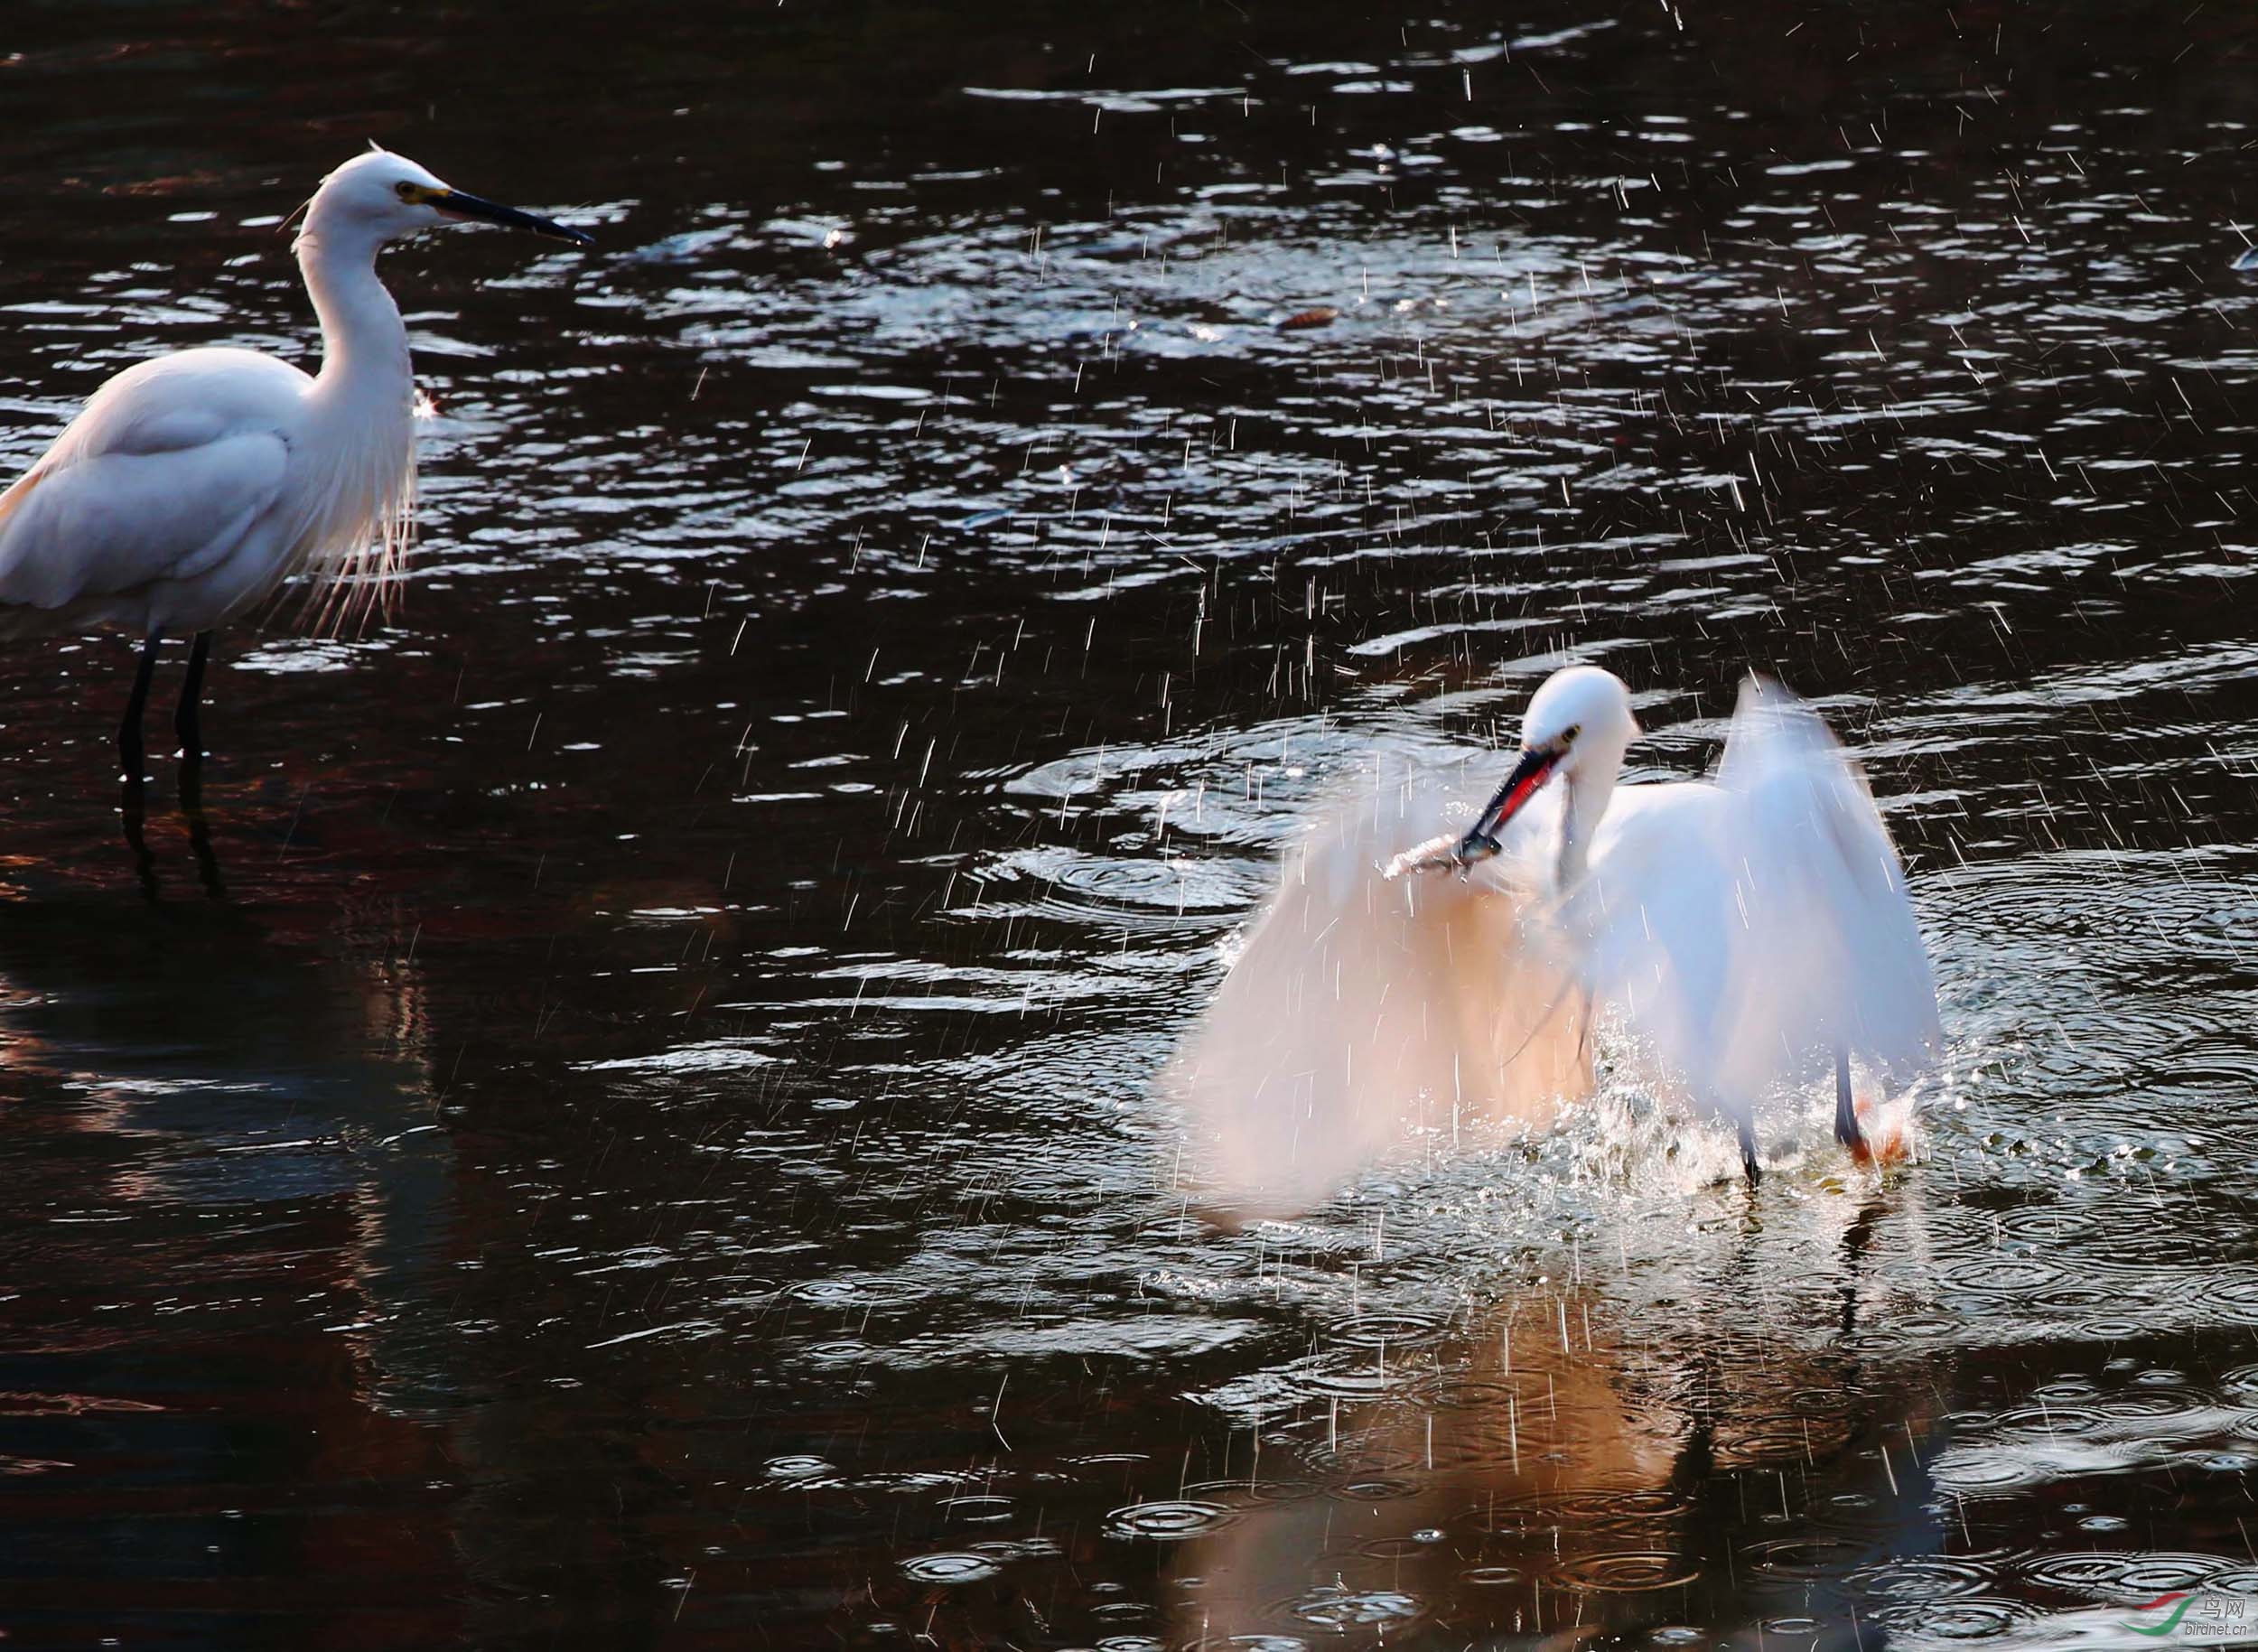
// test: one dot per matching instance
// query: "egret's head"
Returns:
(1577, 713)
(379, 197)
(1577, 724)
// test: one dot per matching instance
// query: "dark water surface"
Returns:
(652, 1146)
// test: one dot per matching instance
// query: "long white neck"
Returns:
(1589, 791)
(364, 342)
(355, 490)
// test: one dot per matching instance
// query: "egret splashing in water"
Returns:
(1750, 932)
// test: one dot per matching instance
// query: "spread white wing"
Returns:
(1832, 955)
(1361, 1009)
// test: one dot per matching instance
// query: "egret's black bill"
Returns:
(454, 203)
(1531, 772)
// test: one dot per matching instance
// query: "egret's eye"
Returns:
(414, 194)
(1568, 736)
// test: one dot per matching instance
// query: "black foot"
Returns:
(1748, 1153)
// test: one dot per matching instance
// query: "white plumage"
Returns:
(191, 486)
(1751, 931)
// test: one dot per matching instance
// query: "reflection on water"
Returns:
(633, 1120)
(1584, 1454)
(210, 1116)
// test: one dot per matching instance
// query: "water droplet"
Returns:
(1377, 1488)
(1956, 1620)
(2134, 1577)
(1812, 1557)
(1629, 1571)
(1167, 1522)
(1386, 1329)
(956, 1568)
(1341, 1610)
(1922, 1577)
(983, 1510)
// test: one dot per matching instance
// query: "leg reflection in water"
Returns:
(133, 809)
(198, 828)
(1697, 1436)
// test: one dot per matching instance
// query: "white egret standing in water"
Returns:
(189, 486)
(1749, 931)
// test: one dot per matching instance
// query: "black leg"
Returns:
(187, 721)
(1846, 1126)
(129, 730)
(1748, 1153)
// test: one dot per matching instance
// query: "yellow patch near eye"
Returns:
(414, 194)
